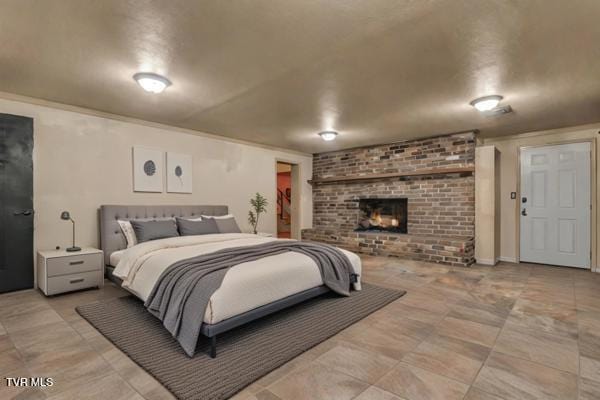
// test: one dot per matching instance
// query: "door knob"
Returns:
(524, 212)
(24, 212)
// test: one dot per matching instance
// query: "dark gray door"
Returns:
(16, 203)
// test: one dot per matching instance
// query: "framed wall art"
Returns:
(179, 173)
(147, 170)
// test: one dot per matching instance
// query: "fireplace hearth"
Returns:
(382, 215)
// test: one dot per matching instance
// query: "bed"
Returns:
(247, 292)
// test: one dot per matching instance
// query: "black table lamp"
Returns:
(67, 217)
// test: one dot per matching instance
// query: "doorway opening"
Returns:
(284, 200)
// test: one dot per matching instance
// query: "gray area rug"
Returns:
(244, 354)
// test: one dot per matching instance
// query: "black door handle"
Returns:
(524, 212)
(24, 212)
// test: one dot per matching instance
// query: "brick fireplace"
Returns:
(413, 199)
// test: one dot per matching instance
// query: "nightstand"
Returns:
(59, 271)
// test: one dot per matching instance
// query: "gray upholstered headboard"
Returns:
(111, 237)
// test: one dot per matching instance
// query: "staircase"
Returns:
(284, 214)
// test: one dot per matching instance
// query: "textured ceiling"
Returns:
(277, 72)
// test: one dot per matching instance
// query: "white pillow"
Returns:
(128, 232)
(219, 216)
(193, 219)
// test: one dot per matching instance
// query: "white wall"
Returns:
(82, 161)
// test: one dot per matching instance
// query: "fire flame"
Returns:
(376, 218)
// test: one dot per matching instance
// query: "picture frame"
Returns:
(148, 170)
(179, 173)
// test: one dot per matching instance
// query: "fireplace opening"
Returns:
(383, 215)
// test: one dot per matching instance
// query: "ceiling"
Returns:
(277, 72)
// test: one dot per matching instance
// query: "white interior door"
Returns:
(555, 205)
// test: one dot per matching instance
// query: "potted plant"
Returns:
(259, 205)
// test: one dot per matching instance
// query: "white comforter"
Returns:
(245, 286)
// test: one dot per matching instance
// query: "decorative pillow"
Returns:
(128, 232)
(227, 225)
(188, 227)
(152, 230)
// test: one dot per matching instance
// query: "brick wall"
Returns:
(441, 208)
(407, 156)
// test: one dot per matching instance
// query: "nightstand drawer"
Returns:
(74, 264)
(66, 283)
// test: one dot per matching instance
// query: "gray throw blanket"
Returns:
(182, 292)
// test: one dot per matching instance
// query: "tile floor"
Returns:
(507, 332)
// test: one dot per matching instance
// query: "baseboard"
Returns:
(485, 261)
(508, 259)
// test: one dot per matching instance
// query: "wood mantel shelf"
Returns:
(353, 178)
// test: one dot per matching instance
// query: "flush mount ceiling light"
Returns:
(152, 83)
(486, 103)
(328, 135)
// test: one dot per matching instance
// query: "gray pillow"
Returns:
(227, 225)
(151, 230)
(203, 227)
